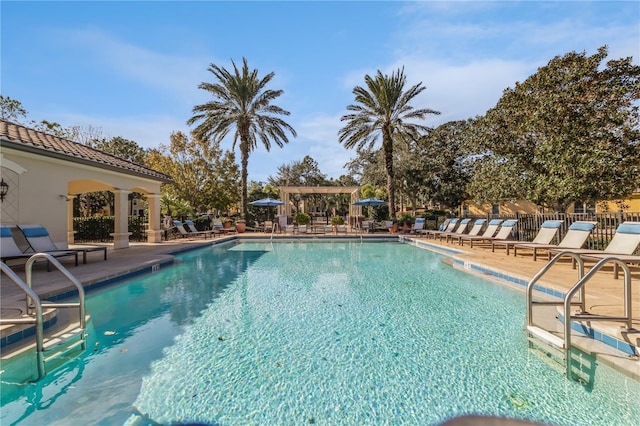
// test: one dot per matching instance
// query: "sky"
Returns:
(132, 68)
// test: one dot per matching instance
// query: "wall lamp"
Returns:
(4, 189)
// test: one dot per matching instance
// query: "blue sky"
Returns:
(131, 69)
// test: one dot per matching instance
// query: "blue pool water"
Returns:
(344, 333)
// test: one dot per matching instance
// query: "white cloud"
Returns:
(178, 74)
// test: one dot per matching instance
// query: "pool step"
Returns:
(551, 349)
(546, 336)
(59, 345)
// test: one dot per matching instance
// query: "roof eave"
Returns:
(20, 146)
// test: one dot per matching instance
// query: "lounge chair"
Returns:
(39, 241)
(341, 229)
(575, 238)
(488, 233)
(9, 250)
(448, 225)
(622, 246)
(461, 229)
(367, 226)
(191, 229)
(218, 226)
(504, 232)
(547, 232)
(474, 231)
(417, 226)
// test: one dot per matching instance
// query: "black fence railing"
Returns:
(100, 228)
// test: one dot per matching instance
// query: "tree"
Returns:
(383, 108)
(300, 173)
(204, 176)
(241, 101)
(11, 109)
(120, 147)
(570, 132)
(444, 173)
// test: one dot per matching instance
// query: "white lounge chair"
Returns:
(449, 225)
(183, 232)
(504, 232)
(461, 229)
(474, 231)
(547, 232)
(575, 238)
(622, 246)
(488, 233)
(418, 225)
(191, 229)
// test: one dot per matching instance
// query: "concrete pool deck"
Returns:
(604, 293)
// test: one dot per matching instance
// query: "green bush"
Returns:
(337, 220)
(406, 219)
(302, 218)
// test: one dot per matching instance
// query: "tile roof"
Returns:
(25, 139)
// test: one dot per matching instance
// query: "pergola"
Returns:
(285, 191)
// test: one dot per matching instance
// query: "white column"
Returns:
(154, 233)
(121, 229)
(71, 234)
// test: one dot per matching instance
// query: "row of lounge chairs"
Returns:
(36, 239)
(498, 233)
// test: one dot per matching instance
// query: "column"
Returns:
(121, 229)
(154, 233)
(71, 234)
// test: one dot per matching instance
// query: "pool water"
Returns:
(345, 333)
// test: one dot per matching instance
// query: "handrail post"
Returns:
(628, 316)
(38, 317)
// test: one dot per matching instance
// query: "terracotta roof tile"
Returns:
(21, 137)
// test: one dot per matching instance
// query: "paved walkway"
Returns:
(604, 293)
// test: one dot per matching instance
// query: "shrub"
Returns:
(302, 218)
(337, 220)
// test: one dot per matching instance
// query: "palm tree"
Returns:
(241, 101)
(384, 109)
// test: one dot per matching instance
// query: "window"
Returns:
(582, 207)
(495, 209)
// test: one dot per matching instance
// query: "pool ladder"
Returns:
(564, 343)
(55, 346)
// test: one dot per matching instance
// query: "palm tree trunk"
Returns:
(244, 160)
(387, 146)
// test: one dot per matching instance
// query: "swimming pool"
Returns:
(308, 332)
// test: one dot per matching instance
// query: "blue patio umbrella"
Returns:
(266, 202)
(369, 202)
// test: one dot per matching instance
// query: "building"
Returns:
(42, 174)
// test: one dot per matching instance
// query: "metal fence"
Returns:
(100, 228)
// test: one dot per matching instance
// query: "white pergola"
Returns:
(285, 191)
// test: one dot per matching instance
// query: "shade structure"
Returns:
(266, 202)
(369, 202)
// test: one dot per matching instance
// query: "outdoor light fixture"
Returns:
(4, 188)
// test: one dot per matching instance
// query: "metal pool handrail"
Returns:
(579, 287)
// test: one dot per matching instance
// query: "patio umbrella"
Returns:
(266, 202)
(369, 202)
